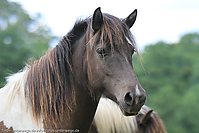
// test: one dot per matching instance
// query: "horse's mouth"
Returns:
(127, 113)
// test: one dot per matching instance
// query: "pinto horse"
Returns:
(109, 119)
(61, 90)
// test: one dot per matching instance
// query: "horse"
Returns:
(61, 90)
(109, 119)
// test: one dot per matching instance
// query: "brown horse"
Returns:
(109, 119)
(61, 90)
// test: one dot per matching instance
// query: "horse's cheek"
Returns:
(95, 76)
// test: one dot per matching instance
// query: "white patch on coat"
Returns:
(14, 110)
(109, 118)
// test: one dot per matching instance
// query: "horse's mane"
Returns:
(109, 118)
(50, 81)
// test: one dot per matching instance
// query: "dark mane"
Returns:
(50, 77)
(77, 31)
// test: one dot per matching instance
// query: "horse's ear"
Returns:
(130, 20)
(144, 118)
(97, 20)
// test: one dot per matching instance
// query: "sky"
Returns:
(156, 20)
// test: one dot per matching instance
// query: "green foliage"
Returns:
(21, 37)
(170, 78)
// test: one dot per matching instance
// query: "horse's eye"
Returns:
(101, 52)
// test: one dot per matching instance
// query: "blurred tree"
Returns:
(21, 37)
(170, 78)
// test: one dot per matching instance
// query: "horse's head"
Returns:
(109, 55)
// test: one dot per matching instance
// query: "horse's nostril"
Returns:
(128, 98)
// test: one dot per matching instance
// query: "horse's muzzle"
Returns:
(132, 103)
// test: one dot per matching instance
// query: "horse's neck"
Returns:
(83, 114)
(83, 111)
(86, 102)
